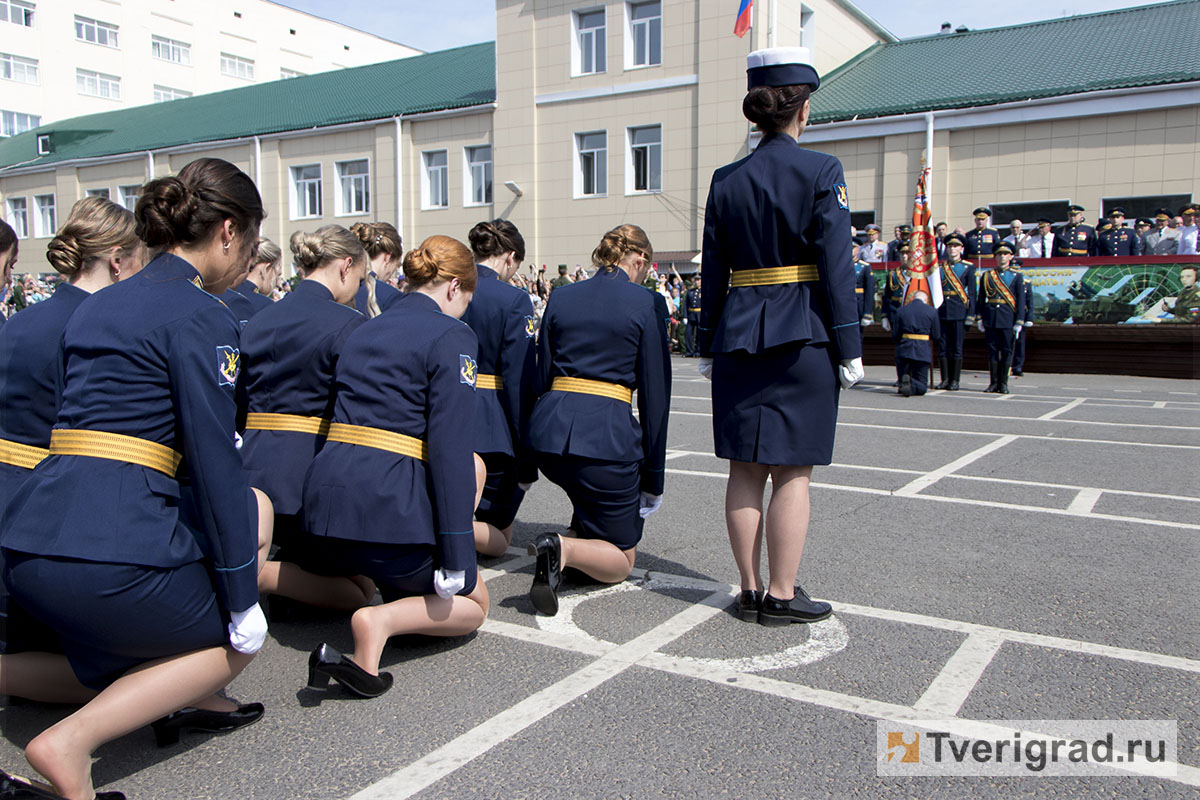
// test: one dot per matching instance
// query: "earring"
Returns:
(226, 246)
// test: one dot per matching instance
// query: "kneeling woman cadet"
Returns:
(384, 247)
(289, 353)
(502, 318)
(601, 339)
(156, 607)
(404, 414)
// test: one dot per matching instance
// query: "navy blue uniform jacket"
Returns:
(1118, 242)
(953, 308)
(502, 318)
(779, 206)
(154, 357)
(411, 370)
(895, 283)
(1074, 241)
(918, 318)
(605, 329)
(864, 289)
(289, 356)
(385, 296)
(249, 290)
(239, 304)
(981, 241)
(991, 309)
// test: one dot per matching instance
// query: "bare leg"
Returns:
(602, 560)
(490, 540)
(289, 580)
(480, 478)
(427, 614)
(44, 677)
(62, 753)
(744, 518)
(266, 526)
(787, 526)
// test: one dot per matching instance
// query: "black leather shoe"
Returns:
(167, 729)
(801, 608)
(955, 374)
(906, 385)
(944, 364)
(547, 574)
(748, 603)
(14, 788)
(325, 663)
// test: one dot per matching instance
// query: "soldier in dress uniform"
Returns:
(899, 243)
(1162, 240)
(982, 239)
(956, 312)
(783, 335)
(1075, 239)
(96, 544)
(405, 409)
(1000, 307)
(1117, 240)
(917, 323)
(1022, 340)
(873, 251)
(385, 248)
(692, 299)
(864, 292)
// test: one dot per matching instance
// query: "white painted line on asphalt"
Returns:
(460, 751)
(1129, 391)
(1188, 393)
(1024, 419)
(928, 479)
(505, 567)
(562, 641)
(1084, 502)
(1078, 401)
(1076, 389)
(1160, 404)
(949, 690)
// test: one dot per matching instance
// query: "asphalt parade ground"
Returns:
(1033, 556)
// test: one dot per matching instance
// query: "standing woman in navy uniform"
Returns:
(601, 339)
(502, 318)
(384, 247)
(157, 608)
(392, 494)
(1001, 313)
(289, 355)
(777, 233)
(956, 312)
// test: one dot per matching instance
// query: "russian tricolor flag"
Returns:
(743, 19)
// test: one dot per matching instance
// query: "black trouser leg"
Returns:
(944, 364)
(955, 374)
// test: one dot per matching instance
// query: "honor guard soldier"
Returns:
(1117, 240)
(1001, 311)
(1075, 239)
(864, 292)
(691, 304)
(956, 312)
(981, 240)
(917, 323)
(1021, 341)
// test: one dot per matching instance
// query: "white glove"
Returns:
(887, 324)
(865, 321)
(248, 630)
(705, 367)
(851, 372)
(1028, 323)
(449, 582)
(237, 440)
(649, 503)
(1017, 331)
(980, 326)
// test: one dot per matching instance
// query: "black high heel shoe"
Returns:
(167, 729)
(325, 663)
(547, 573)
(14, 788)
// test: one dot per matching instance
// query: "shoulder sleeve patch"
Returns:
(530, 327)
(467, 370)
(228, 364)
(843, 197)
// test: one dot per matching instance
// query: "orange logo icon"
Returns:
(912, 750)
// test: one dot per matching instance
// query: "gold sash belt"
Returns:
(262, 421)
(115, 447)
(771, 276)
(599, 388)
(378, 438)
(25, 456)
(920, 337)
(488, 382)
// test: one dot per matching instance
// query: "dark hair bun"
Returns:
(773, 108)
(164, 210)
(484, 241)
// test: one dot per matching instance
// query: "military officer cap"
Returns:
(1163, 213)
(954, 238)
(983, 212)
(781, 66)
(1045, 220)
(1103, 225)
(1143, 221)
(906, 229)
(1190, 208)
(1002, 247)
(1076, 209)
(1118, 211)
(873, 227)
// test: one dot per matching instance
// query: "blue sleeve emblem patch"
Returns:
(530, 327)
(467, 370)
(228, 364)
(843, 198)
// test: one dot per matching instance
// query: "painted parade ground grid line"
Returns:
(1017, 397)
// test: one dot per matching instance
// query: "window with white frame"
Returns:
(95, 31)
(15, 68)
(591, 164)
(588, 43)
(14, 122)
(97, 193)
(644, 45)
(44, 222)
(435, 187)
(18, 12)
(477, 166)
(644, 170)
(18, 216)
(237, 67)
(285, 73)
(164, 93)
(807, 27)
(171, 50)
(97, 84)
(354, 187)
(306, 191)
(129, 195)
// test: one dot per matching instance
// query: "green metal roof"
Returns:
(1145, 46)
(447, 79)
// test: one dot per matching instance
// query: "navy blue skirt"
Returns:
(502, 495)
(604, 496)
(778, 407)
(398, 570)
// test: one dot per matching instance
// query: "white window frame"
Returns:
(17, 209)
(599, 172)
(435, 180)
(165, 94)
(172, 51)
(303, 194)
(129, 194)
(94, 31)
(631, 157)
(18, 69)
(807, 28)
(14, 122)
(477, 176)
(354, 188)
(237, 66)
(97, 84)
(101, 191)
(17, 8)
(45, 222)
(631, 35)
(583, 39)
(286, 74)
